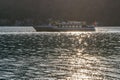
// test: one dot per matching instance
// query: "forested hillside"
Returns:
(106, 12)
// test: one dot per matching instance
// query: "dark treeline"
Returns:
(106, 12)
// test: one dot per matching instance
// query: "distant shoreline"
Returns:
(107, 26)
(32, 26)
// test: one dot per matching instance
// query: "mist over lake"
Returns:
(31, 29)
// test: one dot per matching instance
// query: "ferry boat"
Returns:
(66, 26)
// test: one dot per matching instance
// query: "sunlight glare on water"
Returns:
(60, 56)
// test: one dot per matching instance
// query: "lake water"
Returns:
(60, 55)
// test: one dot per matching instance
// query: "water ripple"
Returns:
(60, 56)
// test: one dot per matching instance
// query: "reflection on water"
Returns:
(60, 56)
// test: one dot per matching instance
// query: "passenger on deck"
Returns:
(84, 26)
